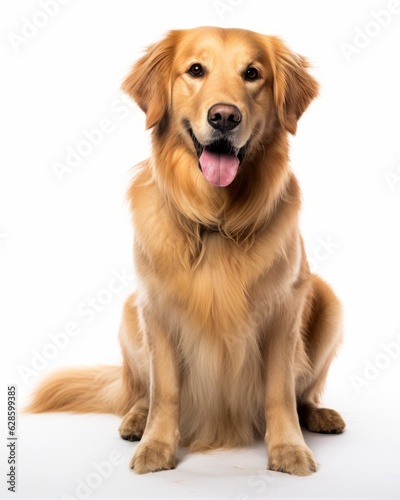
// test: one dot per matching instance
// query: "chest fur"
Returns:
(227, 282)
(228, 290)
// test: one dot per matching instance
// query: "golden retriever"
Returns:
(229, 335)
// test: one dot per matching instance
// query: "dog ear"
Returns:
(294, 87)
(149, 82)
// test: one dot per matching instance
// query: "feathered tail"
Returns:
(99, 389)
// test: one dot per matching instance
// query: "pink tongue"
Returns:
(219, 169)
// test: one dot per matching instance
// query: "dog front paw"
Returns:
(292, 458)
(153, 456)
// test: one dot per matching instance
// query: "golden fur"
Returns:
(229, 336)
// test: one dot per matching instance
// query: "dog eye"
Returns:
(251, 74)
(196, 70)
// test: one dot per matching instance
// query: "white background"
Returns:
(61, 241)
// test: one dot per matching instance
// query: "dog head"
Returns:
(224, 92)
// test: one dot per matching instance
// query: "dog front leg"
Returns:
(157, 449)
(287, 450)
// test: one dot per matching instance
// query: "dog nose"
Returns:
(224, 116)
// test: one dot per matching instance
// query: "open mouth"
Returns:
(219, 161)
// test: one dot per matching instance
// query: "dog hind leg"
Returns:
(322, 338)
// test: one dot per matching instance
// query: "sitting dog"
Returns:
(229, 335)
